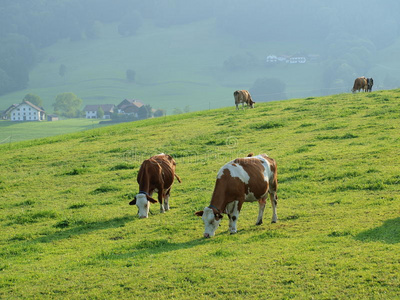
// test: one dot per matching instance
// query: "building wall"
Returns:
(25, 112)
(91, 114)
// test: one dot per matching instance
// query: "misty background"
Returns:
(184, 55)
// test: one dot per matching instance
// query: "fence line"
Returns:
(5, 140)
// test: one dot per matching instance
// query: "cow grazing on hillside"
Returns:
(370, 83)
(243, 97)
(360, 84)
(242, 180)
(156, 174)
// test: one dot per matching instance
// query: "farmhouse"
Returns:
(91, 111)
(25, 111)
(130, 107)
(271, 59)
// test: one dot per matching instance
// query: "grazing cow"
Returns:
(360, 84)
(156, 174)
(370, 83)
(243, 97)
(242, 180)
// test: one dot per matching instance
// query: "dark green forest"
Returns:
(350, 31)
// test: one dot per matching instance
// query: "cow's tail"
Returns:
(178, 178)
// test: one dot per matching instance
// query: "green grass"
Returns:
(69, 233)
(20, 131)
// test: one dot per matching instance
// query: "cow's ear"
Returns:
(133, 202)
(199, 213)
(218, 216)
(151, 199)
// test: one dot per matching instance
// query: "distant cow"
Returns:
(242, 180)
(370, 83)
(156, 174)
(243, 97)
(360, 84)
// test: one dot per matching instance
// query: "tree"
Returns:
(6, 83)
(67, 104)
(159, 113)
(130, 75)
(144, 112)
(177, 111)
(100, 113)
(34, 99)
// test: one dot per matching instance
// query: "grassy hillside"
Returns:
(68, 232)
(175, 67)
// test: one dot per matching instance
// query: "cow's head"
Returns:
(142, 201)
(251, 102)
(211, 221)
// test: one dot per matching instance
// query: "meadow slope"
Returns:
(68, 232)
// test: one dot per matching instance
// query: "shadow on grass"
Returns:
(85, 228)
(388, 233)
(148, 247)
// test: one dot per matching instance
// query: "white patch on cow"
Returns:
(235, 170)
(210, 223)
(143, 205)
(268, 174)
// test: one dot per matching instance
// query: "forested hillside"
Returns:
(347, 39)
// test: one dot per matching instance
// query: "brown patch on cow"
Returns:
(255, 169)
(227, 189)
(157, 172)
(199, 213)
(243, 96)
(360, 83)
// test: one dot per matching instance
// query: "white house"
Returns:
(91, 111)
(26, 111)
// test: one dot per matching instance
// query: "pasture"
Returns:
(20, 131)
(69, 233)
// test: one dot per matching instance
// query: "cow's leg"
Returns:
(166, 201)
(261, 206)
(237, 106)
(160, 200)
(274, 203)
(233, 213)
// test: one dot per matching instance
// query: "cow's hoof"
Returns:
(233, 232)
(273, 221)
(259, 222)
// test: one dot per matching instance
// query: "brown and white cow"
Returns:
(242, 180)
(243, 97)
(360, 83)
(156, 174)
